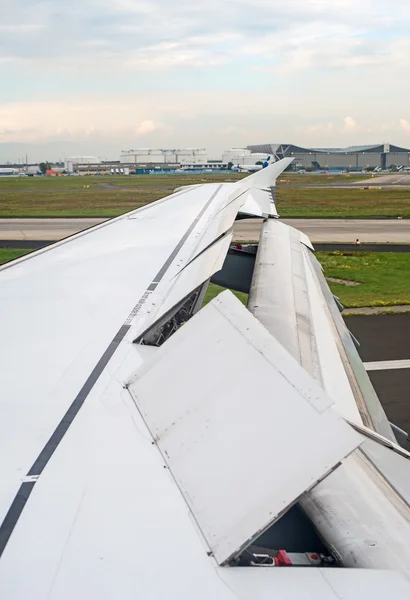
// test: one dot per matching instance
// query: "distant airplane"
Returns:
(253, 168)
(8, 171)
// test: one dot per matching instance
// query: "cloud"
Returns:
(185, 118)
(347, 128)
(45, 121)
(21, 28)
(187, 53)
(350, 124)
(405, 124)
(214, 73)
(148, 126)
(141, 115)
(142, 35)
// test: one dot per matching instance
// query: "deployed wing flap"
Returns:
(290, 296)
(306, 241)
(395, 467)
(259, 203)
(222, 425)
(285, 298)
(190, 277)
(370, 407)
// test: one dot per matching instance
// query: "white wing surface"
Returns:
(92, 501)
(68, 309)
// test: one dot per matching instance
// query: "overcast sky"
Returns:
(98, 76)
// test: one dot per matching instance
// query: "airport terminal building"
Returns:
(354, 158)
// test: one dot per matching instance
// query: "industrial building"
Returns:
(354, 158)
(160, 156)
(143, 160)
(120, 168)
(71, 162)
(18, 168)
(243, 156)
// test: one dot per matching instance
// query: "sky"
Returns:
(94, 77)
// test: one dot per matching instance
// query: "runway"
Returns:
(319, 230)
(390, 179)
(43, 229)
(338, 230)
(385, 181)
(383, 341)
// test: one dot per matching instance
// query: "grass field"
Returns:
(343, 202)
(213, 290)
(89, 196)
(384, 277)
(290, 179)
(108, 196)
(7, 254)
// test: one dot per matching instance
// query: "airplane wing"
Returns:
(147, 445)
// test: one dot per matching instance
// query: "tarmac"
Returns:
(386, 181)
(384, 338)
(391, 179)
(395, 231)
(338, 230)
(44, 229)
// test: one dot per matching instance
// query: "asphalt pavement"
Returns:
(43, 229)
(384, 338)
(390, 179)
(385, 181)
(337, 230)
(319, 230)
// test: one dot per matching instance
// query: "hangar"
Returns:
(355, 158)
